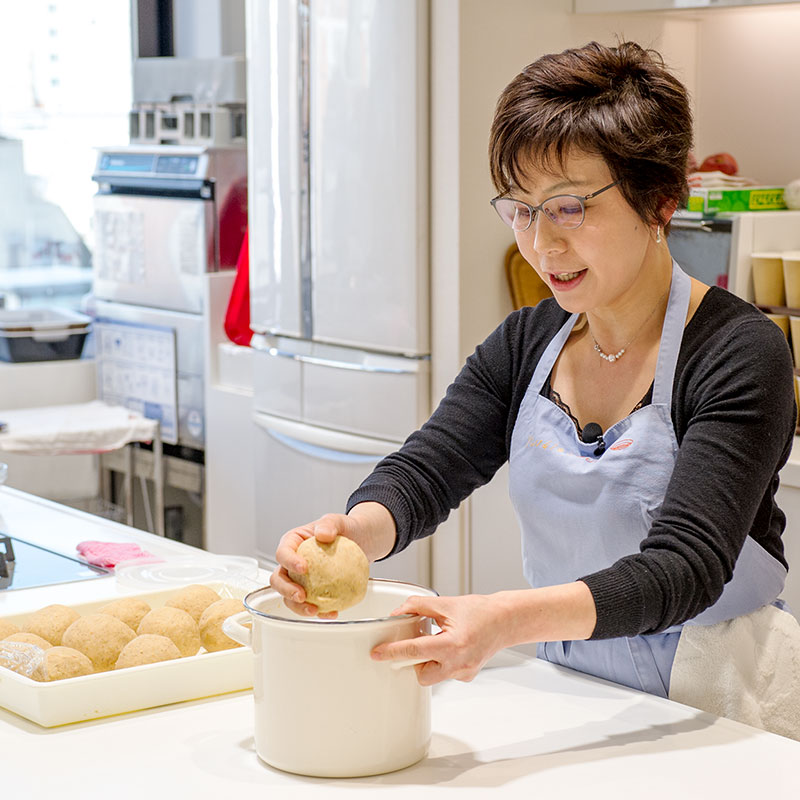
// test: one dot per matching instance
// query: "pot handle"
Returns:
(232, 627)
(408, 662)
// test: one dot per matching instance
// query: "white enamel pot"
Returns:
(323, 707)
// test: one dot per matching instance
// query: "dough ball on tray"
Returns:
(175, 624)
(130, 610)
(211, 625)
(337, 573)
(194, 600)
(101, 637)
(50, 622)
(61, 662)
(7, 628)
(28, 638)
(149, 648)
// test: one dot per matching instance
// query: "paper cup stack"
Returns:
(776, 282)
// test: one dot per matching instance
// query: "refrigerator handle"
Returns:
(324, 443)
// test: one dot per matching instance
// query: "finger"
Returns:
(421, 605)
(327, 528)
(286, 552)
(280, 581)
(422, 648)
(430, 673)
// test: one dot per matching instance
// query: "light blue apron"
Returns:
(580, 513)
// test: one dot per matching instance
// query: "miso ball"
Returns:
(50, 622)
(130, 610)
(28, 638)
(62, 662)
(101, 637)
(337, 573)
(194, 600)
(7, 628)
(175, 624)
(211, 625)
(149, 648)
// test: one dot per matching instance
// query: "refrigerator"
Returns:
(337, 111)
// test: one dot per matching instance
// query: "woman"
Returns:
(645, 417)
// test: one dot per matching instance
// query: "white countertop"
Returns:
(522, 728)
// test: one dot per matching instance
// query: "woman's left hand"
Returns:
(472, 631)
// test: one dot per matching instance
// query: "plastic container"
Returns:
(42, 334)
(104, 694)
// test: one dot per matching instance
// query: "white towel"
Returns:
(746, 669)
(93, 427)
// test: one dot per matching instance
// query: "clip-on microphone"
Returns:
(592, 432)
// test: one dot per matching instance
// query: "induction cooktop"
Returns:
(24, 566)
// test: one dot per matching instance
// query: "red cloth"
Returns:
(237, 317)
(109, 554)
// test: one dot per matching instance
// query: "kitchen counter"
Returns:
(522, 728)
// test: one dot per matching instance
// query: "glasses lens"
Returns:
(564, 210)
(515, 214)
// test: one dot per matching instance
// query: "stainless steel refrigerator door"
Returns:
(369, 174)
(275, 151)
(153, 251)
(303, 472)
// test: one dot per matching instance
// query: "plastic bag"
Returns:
(21, 657)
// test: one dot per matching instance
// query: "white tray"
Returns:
(131, 689)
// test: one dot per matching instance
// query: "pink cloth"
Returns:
(109, 554)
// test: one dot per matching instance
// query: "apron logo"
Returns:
(621, 444)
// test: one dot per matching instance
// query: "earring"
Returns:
(658, 234)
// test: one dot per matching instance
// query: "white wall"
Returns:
(748, 90)
(477, 48)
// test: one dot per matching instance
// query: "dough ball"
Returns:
(62, 662)
(211, 625)
(99, 636)
(130, 610)
(194, 600)
(337, 573)
(148, 648)
(50, 622)
(7, 628)
(175, 624)
(28, 638)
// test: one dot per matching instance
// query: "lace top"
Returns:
(549, 392)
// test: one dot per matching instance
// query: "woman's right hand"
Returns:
(325, 529)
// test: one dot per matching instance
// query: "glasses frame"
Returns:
(534, 210)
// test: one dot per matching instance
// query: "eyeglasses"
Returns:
(564, 210)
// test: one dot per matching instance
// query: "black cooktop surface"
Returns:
(24, 566)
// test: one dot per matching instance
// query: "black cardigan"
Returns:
(734, 415)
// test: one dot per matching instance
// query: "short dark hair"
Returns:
(620, 103)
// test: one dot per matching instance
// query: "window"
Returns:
(66, 89)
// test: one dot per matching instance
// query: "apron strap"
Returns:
(671, 336)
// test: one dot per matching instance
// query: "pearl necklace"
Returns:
(612, 357)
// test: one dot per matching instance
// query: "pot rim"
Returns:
(317, 621)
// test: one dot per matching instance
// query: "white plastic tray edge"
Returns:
(117, 692)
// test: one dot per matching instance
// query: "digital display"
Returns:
(126, 162)
(177, 165)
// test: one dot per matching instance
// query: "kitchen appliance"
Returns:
(351, 717)
(717, 250)
(24, 565)
(702, 246)
(339, 289)
(165, 216)
(42, 334)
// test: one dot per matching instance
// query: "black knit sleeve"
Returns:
(466, 439)
(735, 421)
